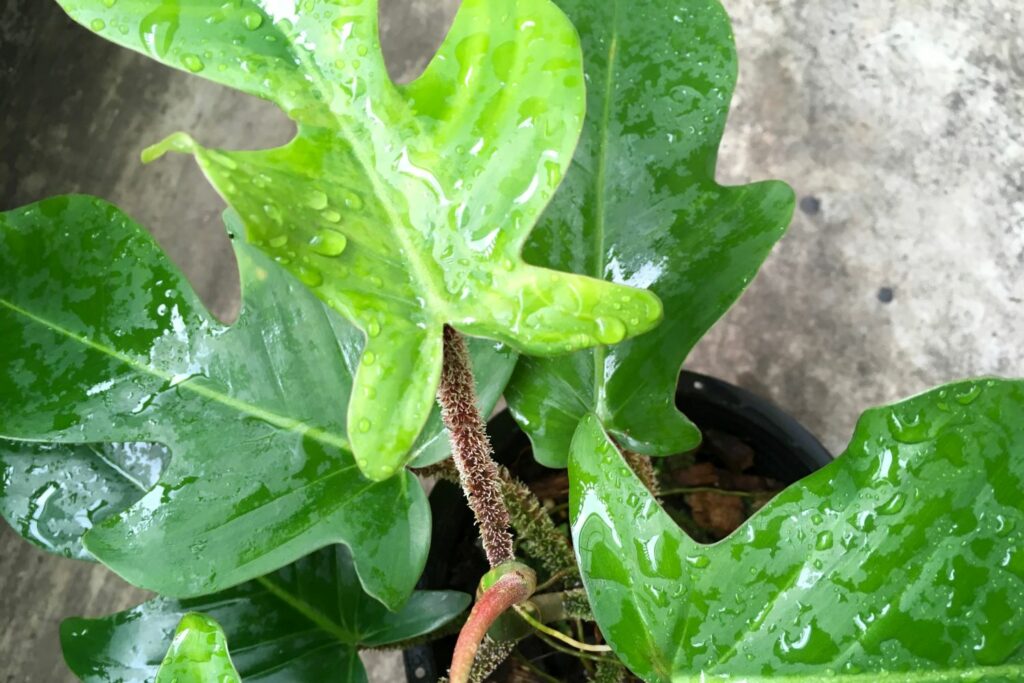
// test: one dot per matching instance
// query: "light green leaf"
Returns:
(403, 207)
(198, 654)
(306, 622)
(641, 207)
(103, 341)
(902, 561)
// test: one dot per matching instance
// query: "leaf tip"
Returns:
(379, 469)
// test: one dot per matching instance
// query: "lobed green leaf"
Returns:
(306, 622)
(901, 561)
(105, 343)
(198, 654)
(405, 208)
(640, 207)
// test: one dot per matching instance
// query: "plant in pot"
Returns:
(536, 215)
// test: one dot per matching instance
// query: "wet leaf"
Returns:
(641, 207)
(901, 561)
(403, 207)
(198, 654)
(305, 622)
(53, 493)
(104, 342)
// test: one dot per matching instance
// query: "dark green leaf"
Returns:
(104, 341)
(902, 561)
(306, 622)
(198, 654)
(641, 207)
(404, 208)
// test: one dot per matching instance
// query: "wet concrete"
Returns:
(897, 123)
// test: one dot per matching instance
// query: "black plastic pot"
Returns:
(786, 452)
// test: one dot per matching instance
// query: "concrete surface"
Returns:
(899, 124)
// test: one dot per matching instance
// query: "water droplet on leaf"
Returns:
(329, 243)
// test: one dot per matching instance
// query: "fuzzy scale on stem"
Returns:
(471, 449)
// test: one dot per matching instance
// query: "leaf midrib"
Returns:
(600, 201)
(420, 272)
(280, 421)
(309, 612)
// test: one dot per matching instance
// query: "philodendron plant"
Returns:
(535, 216)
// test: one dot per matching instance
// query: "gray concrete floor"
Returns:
(899, 124)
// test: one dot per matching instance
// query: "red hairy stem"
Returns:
(471, 450)
(512, 588)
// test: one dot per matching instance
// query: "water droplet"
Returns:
(252, 20)
(317, 200)
(331, 216)
(369, 358)
(610, 330)
(373, 328)
(272, 212)
(97, 24)
(329, 243)
(1004, 526)
(278, 241)
(968, 394)
(353, 201)
(157, 29)
(909, 429)
(311, 277)
(893, 505)
(364, 425)
(698, 561)
(193, 63)
(824, 540)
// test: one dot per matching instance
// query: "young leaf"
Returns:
(901, 561)
(404, 208)
(104, 341)
(641, 207)
(198, 654)
(306, 622)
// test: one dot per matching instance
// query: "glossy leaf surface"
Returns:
(640, 207)
(198, 654)
(901, 561)
(404, 208)
(103, 341)
(53, 493)
(303, 623)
